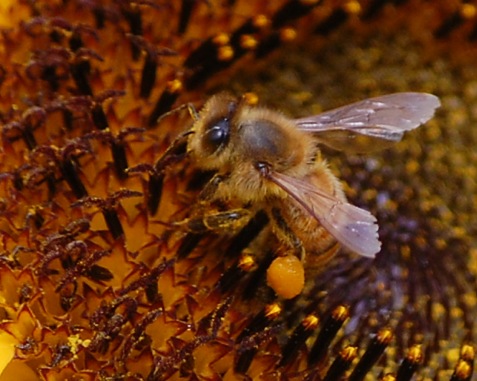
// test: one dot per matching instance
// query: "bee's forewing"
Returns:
(353, 227)
(383, 118)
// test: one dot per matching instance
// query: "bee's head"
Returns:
(210, 140)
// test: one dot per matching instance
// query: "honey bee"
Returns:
(264, 160)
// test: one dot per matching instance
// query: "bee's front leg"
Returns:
(226, 221)
(205, 216)
(208, 192)
(197, 227)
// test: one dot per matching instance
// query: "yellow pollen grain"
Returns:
(470, 299)
(412, 166)
(225, 53)
(246, 262)
(385, 336)
(287, 34)
(272, 311)
(370, 194)
(459, 232)
(74, 342)
(468, 353)
(349, 353)
(248, 41)
(456, 312)
(391, 205)
(415, 354)
(463, 370)
(468, 11)
(175, 85)
(340, 313)
(438, 310)
(452, 355)
(310, 322)
(353, 7)
(221, 39)
(261, 21)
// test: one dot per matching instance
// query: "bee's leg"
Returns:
(284, 233)
(197, 227)
(207, 193)
(190, 108)
(229, 220)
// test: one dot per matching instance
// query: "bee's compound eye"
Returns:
(217, 135)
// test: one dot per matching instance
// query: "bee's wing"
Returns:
(353, 227)
(357, 126)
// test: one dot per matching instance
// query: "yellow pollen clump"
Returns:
(286, 276)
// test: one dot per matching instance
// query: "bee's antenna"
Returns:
(190, 108)
(192, 111)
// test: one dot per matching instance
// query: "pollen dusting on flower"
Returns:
(99, 280)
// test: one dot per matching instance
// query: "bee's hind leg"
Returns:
(286, 235)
